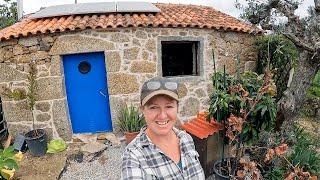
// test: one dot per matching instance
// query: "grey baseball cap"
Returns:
(157, 86)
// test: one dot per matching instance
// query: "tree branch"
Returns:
(317, 5)
(298, 42)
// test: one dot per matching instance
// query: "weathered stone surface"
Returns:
(136, 42)
(145, 55)
(43, 117)
(165, 31)
(79, 44)
(61, 120)
(47, 39)
(191, 107)
(42, 70)
(250, 66)
(182, 33)
(141, 34)
(34, 48)
(249, 40)
(7, 53)
(10, 74)
(231, 37)
(151, 45)
(113, 61)
(209, 89)
(119, 37)
(110, 137)
(8, 43)
(17, 111)
(86, 138)
(200, 93)
(56, 66)
(182, 90)
(143, 67)
(29, 41)
(131, 53)
(18, 49)
(116, 106)
(43, 106)
(2, 59)
(93, 147)
(121, 83)
(50, 88)
(15, 129)
(37, 56)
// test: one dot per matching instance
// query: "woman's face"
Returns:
(160, 114)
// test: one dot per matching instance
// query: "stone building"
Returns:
(127, 49)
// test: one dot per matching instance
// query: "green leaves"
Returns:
(228, 100)
(278, 53)
(8, 13)
(130, 120)
(7, 161)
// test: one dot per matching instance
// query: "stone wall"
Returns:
(132, 56)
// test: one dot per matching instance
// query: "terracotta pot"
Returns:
(130, 136)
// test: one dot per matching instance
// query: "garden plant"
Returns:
(130, 122)
(245, 105)
(8, 162)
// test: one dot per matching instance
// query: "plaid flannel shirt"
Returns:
(143, 160)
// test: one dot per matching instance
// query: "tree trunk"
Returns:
(293, 98)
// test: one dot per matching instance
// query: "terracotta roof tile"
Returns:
(171, 15)
(199, 127)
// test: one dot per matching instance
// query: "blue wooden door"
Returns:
(87, 92)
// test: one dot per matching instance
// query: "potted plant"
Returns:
(130, 122)
(245, 106)
(36, 138)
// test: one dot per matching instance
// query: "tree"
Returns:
(8, 13)
(304, 33)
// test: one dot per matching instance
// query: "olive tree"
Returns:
(304, 33)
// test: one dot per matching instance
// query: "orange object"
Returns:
(130, 136)
(200, 128)
(171, 15)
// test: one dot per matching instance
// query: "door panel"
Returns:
(87, 92)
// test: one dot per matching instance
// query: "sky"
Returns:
(226, 6)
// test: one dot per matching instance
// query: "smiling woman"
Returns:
(161, 151)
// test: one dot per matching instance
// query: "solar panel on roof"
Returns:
(136, 7)
(70, 9)
(95, 8)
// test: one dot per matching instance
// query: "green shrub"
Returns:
(130, 120)
(282, 54)
(223, 103)
(302, 152)
(314, 90)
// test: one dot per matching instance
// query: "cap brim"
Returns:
(158, 92)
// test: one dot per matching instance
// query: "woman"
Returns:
(161, 151)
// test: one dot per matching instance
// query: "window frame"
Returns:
(200, 56)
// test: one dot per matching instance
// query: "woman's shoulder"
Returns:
(182, 134)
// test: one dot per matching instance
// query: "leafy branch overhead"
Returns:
(8, 13)
(303, 32)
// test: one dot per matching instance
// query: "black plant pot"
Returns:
(37, 142)
(218, 174)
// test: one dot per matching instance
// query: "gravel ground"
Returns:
(106, 166)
